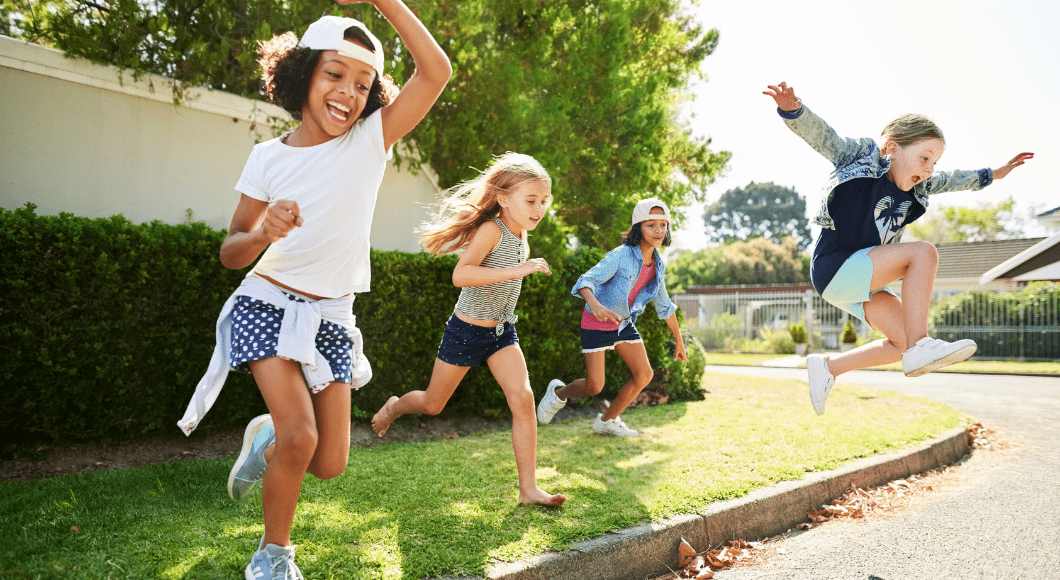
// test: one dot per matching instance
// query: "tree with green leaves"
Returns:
(954, 224)
(589, 88)
(755, 261)
(758, 210)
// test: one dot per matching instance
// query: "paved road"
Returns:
(1004, 522)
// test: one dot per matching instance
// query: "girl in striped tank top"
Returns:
(489, 218)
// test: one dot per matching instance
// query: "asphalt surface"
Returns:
(1003, 522)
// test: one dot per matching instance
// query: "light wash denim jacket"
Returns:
(612, 279)
(861, 158)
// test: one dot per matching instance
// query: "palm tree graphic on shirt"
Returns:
(890, 217)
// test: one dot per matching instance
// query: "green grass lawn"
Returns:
(968, 366)
(448, 507)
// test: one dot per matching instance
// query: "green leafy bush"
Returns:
(106, 327)
(849, 335)
(798, 333)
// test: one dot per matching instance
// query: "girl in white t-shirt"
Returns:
(307, 202)
(488, 217)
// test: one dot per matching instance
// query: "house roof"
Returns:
(973, 259)
(1037, 262)
(1051, 212)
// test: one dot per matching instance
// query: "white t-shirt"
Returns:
(335, 185)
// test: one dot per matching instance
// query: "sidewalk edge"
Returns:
(647, 550)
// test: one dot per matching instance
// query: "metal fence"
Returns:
(1005, 326)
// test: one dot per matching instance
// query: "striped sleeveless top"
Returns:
(497, 301)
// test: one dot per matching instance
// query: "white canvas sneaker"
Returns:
(929, 354)
(821, 381)
(612, 427)
(550, 404)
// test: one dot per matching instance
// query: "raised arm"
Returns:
(1012, 164)
(428, 79)
(812, 129)
(962, 180)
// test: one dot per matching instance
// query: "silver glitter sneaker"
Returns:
(250, 466)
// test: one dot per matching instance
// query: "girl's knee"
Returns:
(333, 467)
(520, 398)
(643, 376)
(593, 387)
(299, 441)
(433, 406)
(927, 251)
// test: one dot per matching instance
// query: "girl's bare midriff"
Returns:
(475, 321)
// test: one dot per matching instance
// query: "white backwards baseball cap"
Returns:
(643, 210)
(328, 34)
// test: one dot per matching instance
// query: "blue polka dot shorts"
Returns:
(256, 331)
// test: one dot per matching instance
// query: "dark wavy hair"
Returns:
(287, 69)
(634, 235)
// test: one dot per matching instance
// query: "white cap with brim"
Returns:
(328, 33)
(643, 210)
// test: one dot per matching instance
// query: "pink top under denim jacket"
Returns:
(612, 279)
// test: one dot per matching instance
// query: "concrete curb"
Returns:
(648, 550)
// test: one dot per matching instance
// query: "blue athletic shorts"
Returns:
(849, 289)
(595, 340)
(256, 330)
(468, 345)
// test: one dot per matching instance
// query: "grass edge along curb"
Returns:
(644, 551)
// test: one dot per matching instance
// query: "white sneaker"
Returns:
(550, 404)
(929, 354)
(273, 563)
(612, 427)
(821, 381)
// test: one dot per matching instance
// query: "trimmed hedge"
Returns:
(106, 326)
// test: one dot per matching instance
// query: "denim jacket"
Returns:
(613, 278)
(861, 158)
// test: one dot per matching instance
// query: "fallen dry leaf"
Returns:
(75, 529)
(686, 554)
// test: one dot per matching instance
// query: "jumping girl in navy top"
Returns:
(874, 192)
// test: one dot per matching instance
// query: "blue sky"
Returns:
(987, 72)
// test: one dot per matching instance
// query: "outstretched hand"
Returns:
(1012, 164)
(784, 96)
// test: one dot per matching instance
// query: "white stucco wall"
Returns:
(85, 139)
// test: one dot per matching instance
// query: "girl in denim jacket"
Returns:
(874, 192)
(616, 291)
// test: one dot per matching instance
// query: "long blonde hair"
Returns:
(472, 203)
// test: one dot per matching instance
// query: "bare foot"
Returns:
(382, 420)
(539, 496)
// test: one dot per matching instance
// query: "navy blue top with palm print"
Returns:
(868, 212)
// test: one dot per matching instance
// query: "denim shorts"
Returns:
(596, 340)
(468, 345)
(849, 289)
(256, 331)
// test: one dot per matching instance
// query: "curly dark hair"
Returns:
(287, 69)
